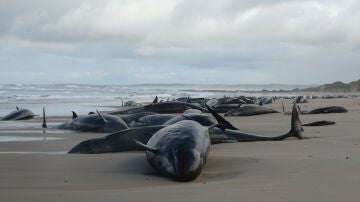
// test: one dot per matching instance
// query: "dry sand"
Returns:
(325, 167)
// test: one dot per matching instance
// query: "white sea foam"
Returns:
(60, 99)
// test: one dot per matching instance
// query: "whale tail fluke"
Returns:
(296, 126)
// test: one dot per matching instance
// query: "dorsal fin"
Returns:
(44, 119)
(17, 108)
(146, 147)
(220, 119)
(74, 115)
(155, 100)
(102, 117)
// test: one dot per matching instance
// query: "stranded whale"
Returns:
(18, 114)
(95, 123)
(249, 110)
(122, 140)
(179, 151)
(326, 110)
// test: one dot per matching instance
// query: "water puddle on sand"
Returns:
(32, 131)
(26, 139)
(33, 152)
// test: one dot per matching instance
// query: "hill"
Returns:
(337, 86)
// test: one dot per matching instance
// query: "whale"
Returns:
(223, 108)
(179, 151)
(325, 110)
(170, 107)
(116, 142)
(223, 135)
(152, 120)
(203, 119)
(265, 100)
(132, 119)
(99, 122)
(320, 123)
(249, 110)
(122, 140)
(19, 114)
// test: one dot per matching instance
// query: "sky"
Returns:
(179, 41)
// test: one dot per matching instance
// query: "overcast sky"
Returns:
(179, 41)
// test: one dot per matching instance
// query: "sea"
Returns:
(61, 99)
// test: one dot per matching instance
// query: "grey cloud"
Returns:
(257, 40)
(180, 23)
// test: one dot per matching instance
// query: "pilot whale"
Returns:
(122, 140)
(169, 107)
(221, 134)
(179, 151)
(95, 123)
(249, 110)
(325, 110)
(116, 142)
(18, 114)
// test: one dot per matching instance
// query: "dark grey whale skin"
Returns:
(179, 151)
(250, 110)
(327, 110)
(171, 107)
(95, 123)
(18, 114)
(116, 142)
(161, 108)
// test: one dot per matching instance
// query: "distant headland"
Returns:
(337, 86)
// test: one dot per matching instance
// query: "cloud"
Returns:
(185, 23)
(156, 40)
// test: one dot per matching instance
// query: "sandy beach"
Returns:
(323, 167)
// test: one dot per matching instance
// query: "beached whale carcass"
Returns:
(170, 107)
(95, 123)
(18, 114)
(122, 140)
(249, 110)
(179, 151)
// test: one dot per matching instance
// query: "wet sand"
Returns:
(324, 167)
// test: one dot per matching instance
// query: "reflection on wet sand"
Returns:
(26, 139)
